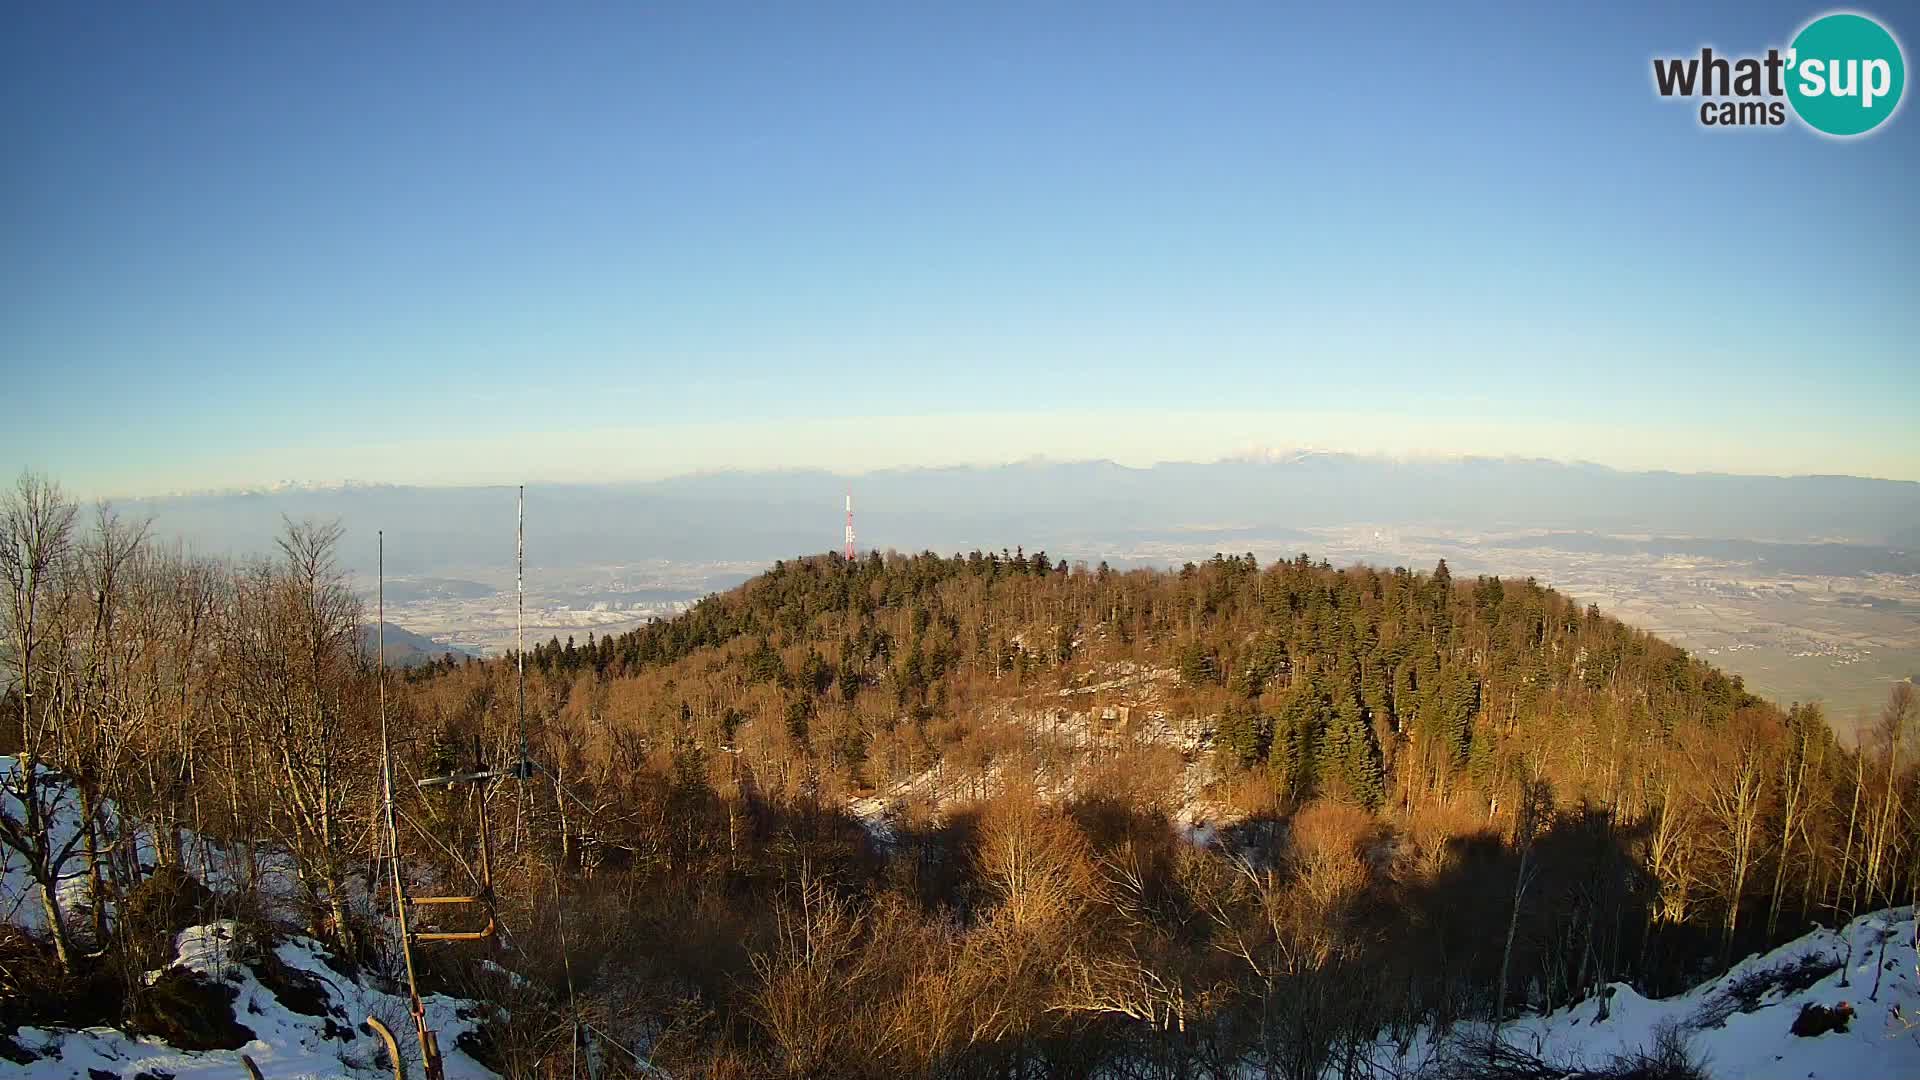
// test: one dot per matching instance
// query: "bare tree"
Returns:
(96, 738)
(1803, 726)
(1898, 713)
(1037, 860)
(1530, 816)
(1730, 767)
(1294, 934)
(36, 541)
(295, 659)
(1841, 887)
(1670, 855)
(183, 598)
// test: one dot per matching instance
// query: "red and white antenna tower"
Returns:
(849, 526)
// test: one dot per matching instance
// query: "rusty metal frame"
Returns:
(484, 898)
(430, 1060)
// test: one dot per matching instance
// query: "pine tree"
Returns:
(1349, 756)
(1294, 747)
(1243, 733)
(1198, 664)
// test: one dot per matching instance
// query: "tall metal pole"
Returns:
(429, 1045)
(521, 768)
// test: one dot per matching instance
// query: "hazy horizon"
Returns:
(1810, 586)
(1272, 455)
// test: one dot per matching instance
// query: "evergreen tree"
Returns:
(1294, 753)
(1243, 734)
(1349, 756)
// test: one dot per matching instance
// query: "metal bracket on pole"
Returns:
(483, 898)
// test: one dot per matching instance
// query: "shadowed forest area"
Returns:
(1196, 822)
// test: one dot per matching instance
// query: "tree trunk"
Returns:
(1880, 852)
(566, 834)
(1513, 929)
(337, 908)
(1795, 785)
(1733, 911)
(56, 919)
(96, 885)
(1853, 815)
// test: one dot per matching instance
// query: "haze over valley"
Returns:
(1808, 586)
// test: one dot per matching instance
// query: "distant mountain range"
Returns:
(1082, 508)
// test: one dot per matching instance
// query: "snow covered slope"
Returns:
(20, 901)
(319, 1035)
(1739, 1025)
(311, 1029)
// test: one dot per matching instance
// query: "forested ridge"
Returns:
(1426, 801)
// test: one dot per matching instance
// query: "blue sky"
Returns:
(464, 243)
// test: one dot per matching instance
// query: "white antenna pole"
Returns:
(380, 631)
(520, 570)
(386, 747)
(519, 621)
(428, 1048)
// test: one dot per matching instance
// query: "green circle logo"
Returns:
(1845, 74)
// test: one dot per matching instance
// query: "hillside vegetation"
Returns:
(1168, 823)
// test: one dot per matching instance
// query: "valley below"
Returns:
(1828, 623)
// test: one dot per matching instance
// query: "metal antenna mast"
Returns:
(850, 552)
(429, 1045)
(523, 767)
(520, 611)
(430, 1060)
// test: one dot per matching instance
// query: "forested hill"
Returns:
(1359, 683)
(981, 816)
(1438, 797)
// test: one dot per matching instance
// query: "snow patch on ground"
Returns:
(270, 872)
(288, 1044)
(1064, 736)
(20, 902)
(1740, 1023)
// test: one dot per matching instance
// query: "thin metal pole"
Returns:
(486, 840)
(427, 1041)
(519, 620)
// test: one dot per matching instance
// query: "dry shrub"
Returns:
(1037, 860)
(166, 902)
(807, 984)
(1328, 848)
(1249, 794)
(35, 990)
(1143, 779)
(1476, 1057)
(25, 965)
(1430, 850)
